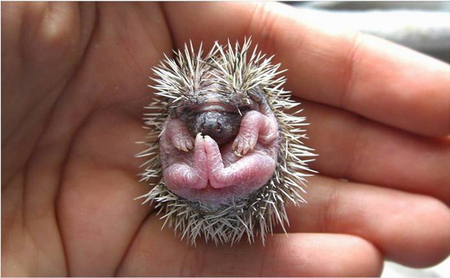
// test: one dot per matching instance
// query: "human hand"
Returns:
(74, 79)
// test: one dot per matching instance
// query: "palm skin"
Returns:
(74, 79)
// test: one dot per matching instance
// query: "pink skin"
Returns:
(211, 174)
(178, 134)
(255, 126)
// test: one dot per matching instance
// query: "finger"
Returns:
(97, 214)
(364, 74)
(408, 228)
(128, 40)
(294, 255)
(39, 63)
(357, 149)
(96, 209)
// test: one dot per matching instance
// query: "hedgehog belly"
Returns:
(204, 169)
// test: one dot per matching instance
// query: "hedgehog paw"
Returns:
(244, 143)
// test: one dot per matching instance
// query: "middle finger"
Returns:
(358, 149)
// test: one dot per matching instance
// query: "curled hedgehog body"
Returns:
(224, 158)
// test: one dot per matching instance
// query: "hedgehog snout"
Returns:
(221, 126)
(211, 126)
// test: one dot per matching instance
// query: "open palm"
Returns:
(73, 92)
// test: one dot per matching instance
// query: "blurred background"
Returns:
(422, 26)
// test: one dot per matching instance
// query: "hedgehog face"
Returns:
(214, 155)
(222, 126)
(214, 115)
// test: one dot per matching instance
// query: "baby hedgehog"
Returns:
(223, 156)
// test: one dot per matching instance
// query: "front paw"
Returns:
(244, 143)
(183, 143)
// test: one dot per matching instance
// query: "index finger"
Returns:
(366, 75)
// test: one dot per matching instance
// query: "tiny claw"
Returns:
(189, 145)
(183, 146)
(235, 143)
(246, 149)
(240, 150)
(199, 136)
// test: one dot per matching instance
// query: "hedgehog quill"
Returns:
(223, 157)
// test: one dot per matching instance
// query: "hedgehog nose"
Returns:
(211, 127)
(220, 126)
